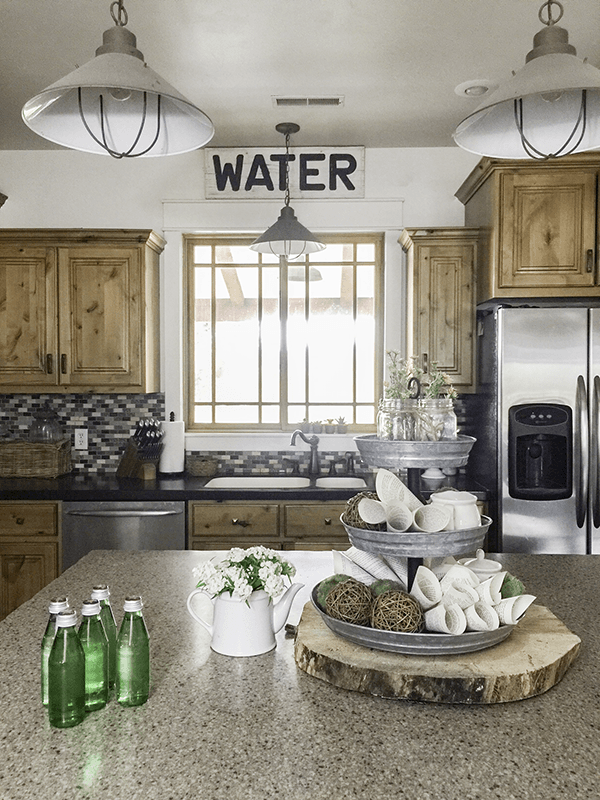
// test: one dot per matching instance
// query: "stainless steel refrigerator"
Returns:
(536, 424)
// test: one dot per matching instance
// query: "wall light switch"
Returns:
(81, 439)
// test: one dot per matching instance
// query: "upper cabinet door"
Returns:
(100, 316)
(547, 229)
(28, 317)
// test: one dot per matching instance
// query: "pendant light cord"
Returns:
(287, 169)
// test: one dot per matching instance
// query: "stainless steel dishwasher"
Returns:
(121, 525)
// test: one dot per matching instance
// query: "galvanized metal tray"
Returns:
(415, 644)
(414, 544)
(418, 455)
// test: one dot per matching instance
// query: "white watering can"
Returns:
(246, 628)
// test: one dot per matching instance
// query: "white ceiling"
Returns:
(395, 62)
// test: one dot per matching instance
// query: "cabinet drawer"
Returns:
(235, 520)
(314, 521)
(200, 543)
(22, 519)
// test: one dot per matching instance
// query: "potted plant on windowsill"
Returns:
(341, 426)
(329, 426)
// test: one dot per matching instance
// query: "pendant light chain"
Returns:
(548, 5)
(287, 169)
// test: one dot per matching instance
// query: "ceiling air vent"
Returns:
(278, 102)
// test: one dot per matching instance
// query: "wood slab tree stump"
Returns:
(528, 663)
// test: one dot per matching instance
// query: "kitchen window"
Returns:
(271, 344)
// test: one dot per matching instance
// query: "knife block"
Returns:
(134, 465)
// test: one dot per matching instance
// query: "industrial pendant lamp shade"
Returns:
(549, 108)
(116, 105)
(287, 237)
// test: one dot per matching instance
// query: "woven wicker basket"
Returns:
(21, 459)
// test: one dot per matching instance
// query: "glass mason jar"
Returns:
(403, 424)
(436, 419)
(385, 415)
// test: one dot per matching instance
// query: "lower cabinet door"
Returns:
(26, 567)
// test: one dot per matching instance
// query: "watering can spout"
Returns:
(281, 610)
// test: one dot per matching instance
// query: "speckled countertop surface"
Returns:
(260, 729)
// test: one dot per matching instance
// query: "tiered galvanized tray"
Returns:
(408, 455)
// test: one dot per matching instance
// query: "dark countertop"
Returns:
(261, 729)
(186, 487)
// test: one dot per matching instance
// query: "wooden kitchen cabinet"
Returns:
(307, 525)
(538, 223)
(441, 305)
(29, 550)
(79, 310)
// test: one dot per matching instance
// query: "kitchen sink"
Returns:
(259, 482)
(340, 482)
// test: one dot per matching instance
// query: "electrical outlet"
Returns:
(81, 439)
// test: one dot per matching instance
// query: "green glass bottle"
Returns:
(95, 648)
(133, 655)
(66, 674)
(55, 605)
(101, 592)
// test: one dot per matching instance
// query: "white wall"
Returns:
(410, 187)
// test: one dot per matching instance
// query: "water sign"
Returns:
(259, 173)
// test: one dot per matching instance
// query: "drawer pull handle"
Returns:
(20, 521)
(589, 263)
(241, 522)
(63, 363)
(327, 520)
(49, 364)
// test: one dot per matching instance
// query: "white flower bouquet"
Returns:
(245, 571)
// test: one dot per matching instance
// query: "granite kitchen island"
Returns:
(259, 728)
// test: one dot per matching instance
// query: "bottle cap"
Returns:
(58, 604)
(133, 603)
(66, 619)
(90, 608)
(100, 592)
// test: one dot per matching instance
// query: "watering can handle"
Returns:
(199, 619)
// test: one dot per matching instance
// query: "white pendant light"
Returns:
(287, 237)
(549, 108)
(116, 105)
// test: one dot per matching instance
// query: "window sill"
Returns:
(263, 441)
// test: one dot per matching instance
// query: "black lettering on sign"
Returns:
(254, 179)
(228, 173)
(305, 172)
(336, 170)
(283, 159)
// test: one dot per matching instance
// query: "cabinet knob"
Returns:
(241, 522)
(20, 521)
(327, 520)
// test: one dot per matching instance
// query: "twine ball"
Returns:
(327, 585)
(352, 518)
(350, 601)
(397, 611)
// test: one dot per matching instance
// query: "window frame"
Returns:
(244, 239)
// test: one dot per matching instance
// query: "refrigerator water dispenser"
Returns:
(540, 451)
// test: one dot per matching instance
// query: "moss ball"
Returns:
(350, 601)
(511, 586)
(385, 585)
(397, 611)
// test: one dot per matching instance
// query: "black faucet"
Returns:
(314, 468)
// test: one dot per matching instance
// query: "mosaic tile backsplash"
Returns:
(110, 421)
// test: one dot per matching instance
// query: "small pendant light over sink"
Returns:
(549, 108)
(116, 105)
(287, 237)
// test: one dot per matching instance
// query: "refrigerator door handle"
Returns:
(581, 452)
(595, 455)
